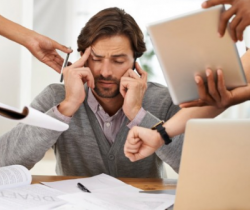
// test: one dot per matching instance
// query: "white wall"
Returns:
(22, 76)
(53, 19)
(15, 61)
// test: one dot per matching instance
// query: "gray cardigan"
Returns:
(83, 150)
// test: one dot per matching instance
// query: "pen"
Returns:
(81, 187)
(65, 63)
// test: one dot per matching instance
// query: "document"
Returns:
(14, 176)
(119, 201)
(17, 193)
(108, 193)
(31, 116)
(94, 184)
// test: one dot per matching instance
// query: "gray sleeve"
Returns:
(26, 145)
(171, 153)
(162, 106)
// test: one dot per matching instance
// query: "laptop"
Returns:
(215, 166)
(186, 45)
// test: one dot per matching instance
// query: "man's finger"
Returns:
(83, 59)
(85, 74)
(142, 73)
(88, 77)
(134, 149)
(132, 74)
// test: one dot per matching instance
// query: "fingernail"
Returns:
(207, 72)
(219, 35)
(204, 4)
(219, 72)
(197, 79)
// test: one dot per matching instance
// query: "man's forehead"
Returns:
(114, 54)
(116, 46)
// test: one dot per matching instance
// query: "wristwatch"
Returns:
(158, 126)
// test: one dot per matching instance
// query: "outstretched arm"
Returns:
(42, 47)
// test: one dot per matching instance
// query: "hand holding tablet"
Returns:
(216, 93)
(187, 45)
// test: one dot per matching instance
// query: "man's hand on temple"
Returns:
(132, 88)
(141, 143)
(239, 8)
(75, 76)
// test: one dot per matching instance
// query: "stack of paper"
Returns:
(16, 192)
(108, 193)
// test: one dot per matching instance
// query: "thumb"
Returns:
(62, 47)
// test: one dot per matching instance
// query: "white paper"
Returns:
(108, 193)
(35, 118)
(121, 201)
(14, 176)
(98, 182)
(35, 197)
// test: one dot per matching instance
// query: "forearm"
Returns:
(15, 32)
(171, 153)
(25, 145)
(176, 125)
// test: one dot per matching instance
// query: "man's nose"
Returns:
(106, 68)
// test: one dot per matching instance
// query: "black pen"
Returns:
(65, 63)
(81, 187)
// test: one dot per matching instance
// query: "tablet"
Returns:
(186, 45)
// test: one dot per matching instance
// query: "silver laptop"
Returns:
(185, 46)
(215, 166)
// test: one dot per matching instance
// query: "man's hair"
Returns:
(110, 22)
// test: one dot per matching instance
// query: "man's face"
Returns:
(110, 58)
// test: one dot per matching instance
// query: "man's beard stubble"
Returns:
(107, 92)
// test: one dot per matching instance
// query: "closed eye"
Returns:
(119, 62)
(96, 59)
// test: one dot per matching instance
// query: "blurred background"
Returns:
(22, 76)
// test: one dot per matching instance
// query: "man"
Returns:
(101, 99)
(139, 146)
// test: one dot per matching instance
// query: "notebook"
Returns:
(215, 166)
(186, 45)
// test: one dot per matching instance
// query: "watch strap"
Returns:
(161, 129)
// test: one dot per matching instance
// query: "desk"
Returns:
(142, 183)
